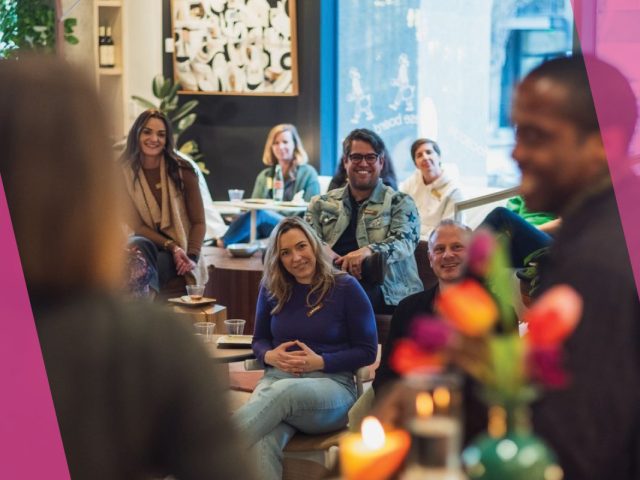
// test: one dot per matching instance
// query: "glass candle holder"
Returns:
(433, 402)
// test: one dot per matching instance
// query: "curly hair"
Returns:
(279, 282)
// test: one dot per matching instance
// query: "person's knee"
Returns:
(497, 218)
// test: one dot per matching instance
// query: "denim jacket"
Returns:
(388, 223)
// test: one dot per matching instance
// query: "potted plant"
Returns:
(30, 25)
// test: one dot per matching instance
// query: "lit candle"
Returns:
(372, 454)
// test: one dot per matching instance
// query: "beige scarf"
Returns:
(171, 216)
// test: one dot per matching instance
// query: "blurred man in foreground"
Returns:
(593, 424)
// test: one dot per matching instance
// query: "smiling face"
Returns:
(362, 175)
(448, 253)
(283, 146)
(556, 159)
(427, 161)
(297, 255)
(153, 137)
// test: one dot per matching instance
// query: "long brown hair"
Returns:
(61, 180)
(133, 157)
(279, 282)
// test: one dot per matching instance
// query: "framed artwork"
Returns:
(235, 47)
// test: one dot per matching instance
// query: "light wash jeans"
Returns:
(282, 404)
(240, 229)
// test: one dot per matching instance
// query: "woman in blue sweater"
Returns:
(314, 328)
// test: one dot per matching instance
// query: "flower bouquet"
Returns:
(476, 330)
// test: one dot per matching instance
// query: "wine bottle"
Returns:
(109, 50)
(278, 184)
(102, 48)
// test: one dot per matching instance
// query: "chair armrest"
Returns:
(253, 364)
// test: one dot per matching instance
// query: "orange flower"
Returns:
(553, 317)
(468, 307)
(407, 356)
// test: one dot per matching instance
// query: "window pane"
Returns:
(444, 70)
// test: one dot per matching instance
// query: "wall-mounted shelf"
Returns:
(111, 82)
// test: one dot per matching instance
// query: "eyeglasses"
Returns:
(370, 158)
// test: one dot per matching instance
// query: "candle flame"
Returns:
(442, 397)
(372, 433)
(424, 404)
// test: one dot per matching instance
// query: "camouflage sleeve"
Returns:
(312, 215)
(404, 230)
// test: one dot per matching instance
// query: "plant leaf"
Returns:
(156, 86)
(186, 122)
(184, 110)
(143, 102)
(499, 280)
(166, 88)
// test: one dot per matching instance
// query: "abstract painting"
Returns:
(235, 47)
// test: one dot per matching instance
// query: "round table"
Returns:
(227, 355)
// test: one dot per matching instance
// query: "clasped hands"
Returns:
(295, 362)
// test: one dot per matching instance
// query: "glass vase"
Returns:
(509, 450)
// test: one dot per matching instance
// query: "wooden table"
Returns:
(227, 355)
(205, 313)
(234, 282)
(253, 205)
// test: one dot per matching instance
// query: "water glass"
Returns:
(195, 292)
(204, 330)
(236, 195)
(235, 326)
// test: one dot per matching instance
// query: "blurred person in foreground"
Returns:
(134, 393)
(314, 329)
(594, 423)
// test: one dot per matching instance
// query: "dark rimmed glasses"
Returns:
(370, 158)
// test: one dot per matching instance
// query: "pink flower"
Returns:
(545, 366)
(430, 334)
(481, 248)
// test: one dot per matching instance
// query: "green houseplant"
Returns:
(30, 25)
(181, 117)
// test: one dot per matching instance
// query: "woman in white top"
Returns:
(434, 193)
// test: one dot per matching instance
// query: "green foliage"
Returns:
(181, 117)
(30, 25)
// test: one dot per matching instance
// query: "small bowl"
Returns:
(242, 250)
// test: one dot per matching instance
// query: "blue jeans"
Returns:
(524, 238)
(282, 404)
(240, 229)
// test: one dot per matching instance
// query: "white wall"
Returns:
(144, 44)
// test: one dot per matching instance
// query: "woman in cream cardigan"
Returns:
(167, 215)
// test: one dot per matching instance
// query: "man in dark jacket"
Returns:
(593, 424)
(447, 256)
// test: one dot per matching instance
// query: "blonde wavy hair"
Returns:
(299, 153)
(279, 282)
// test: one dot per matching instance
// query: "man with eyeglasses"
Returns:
(370, 229)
